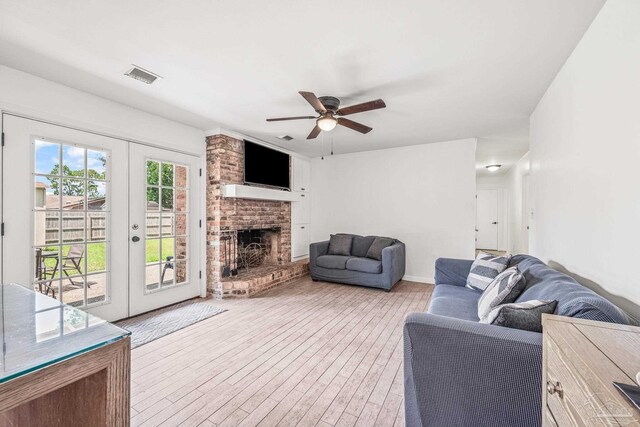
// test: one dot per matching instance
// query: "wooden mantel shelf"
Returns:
(258, 193)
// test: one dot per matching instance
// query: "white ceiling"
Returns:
(447, 69)
(499, 151)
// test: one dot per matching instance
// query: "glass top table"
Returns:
(38, 331)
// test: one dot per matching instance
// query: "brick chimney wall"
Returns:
(225, 165)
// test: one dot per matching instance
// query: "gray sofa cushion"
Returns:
(361, 245)
(379, 243)
(336, 262)
(455, 301)
(340, 244)
(364, 265)
(574, 300)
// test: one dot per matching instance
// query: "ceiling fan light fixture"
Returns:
(327, 123)
(493, 168)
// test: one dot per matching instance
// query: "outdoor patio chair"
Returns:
(41, 275)
(168, 264)
(72, 262)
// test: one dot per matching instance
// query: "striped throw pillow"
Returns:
(484, 269)
(525, 315)
(504, 289)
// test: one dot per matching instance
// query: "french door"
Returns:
(99, 223)
(164, 228)
(65, 215)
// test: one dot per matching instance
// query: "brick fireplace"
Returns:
(235, 217)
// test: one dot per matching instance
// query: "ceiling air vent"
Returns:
(285, 137)
(141, 74)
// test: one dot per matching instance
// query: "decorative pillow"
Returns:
(504, 289)
(340, 244)
(361, 245)
(484, 269)
(525, 315)
(379, 243)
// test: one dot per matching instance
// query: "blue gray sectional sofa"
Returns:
(356, 268)
(458, 372)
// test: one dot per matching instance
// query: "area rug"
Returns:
(156, 324)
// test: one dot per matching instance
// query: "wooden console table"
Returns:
(60, 366)
(581, 360)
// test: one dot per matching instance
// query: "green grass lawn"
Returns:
(96, 257)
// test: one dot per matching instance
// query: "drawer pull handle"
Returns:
(554, 388)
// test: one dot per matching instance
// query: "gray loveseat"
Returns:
(458, 372)
(356, 268)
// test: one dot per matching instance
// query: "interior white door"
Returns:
(164, 230)
(65, 215)
(487, 219)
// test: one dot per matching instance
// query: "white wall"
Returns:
(585, 157)
(516, 224)
(423, 195)
(39, 98)
(498, 183)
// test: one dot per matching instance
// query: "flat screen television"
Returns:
(264, 166)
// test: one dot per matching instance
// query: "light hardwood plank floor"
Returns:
(306, 353)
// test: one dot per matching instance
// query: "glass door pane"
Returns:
(71, 217)
(167, 238)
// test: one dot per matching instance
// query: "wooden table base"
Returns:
(87, 390)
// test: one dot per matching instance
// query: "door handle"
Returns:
(494, 223)
(135, 239)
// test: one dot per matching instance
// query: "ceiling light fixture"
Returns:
(327, 122)
(493, 168)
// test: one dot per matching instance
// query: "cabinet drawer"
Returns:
(578, 384)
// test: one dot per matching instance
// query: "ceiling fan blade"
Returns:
(314, 101)
(360, 108)
(279, 119)
(315, 132)
(354, 125)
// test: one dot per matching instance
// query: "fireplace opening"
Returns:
(249, 248)
(257, 247)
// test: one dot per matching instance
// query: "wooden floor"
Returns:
(306, 353)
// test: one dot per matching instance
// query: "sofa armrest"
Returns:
(458, 372)
(393, 261)
(317, 249)
(452, 271)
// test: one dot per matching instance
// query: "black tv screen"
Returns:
(265, 166)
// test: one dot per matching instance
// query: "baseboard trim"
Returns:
(419, 279)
